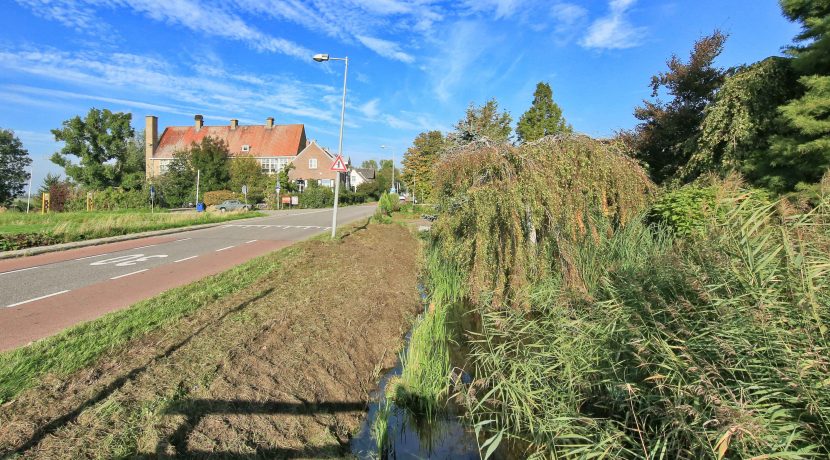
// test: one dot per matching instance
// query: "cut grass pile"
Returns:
(78, 346)
(20, 231)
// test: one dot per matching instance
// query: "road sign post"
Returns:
(339, 166)
(152, 198)
(245, 192)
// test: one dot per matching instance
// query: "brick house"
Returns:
(274, 146)
(314, 163)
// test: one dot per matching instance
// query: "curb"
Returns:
(110, 239)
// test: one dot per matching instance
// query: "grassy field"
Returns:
(20, 231)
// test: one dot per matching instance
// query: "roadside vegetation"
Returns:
(20, 231)
(663, 294)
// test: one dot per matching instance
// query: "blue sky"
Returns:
(414, 65)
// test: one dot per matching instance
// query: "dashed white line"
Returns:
(186, 258)
(183, 239)
(128, 274)
(252, 241)
(226, 248)
(19, 270)
(37, 298)
(89, 257)
(142, 247)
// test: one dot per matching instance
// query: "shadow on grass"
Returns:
(109, 389)
(195, 409)
(356, 229)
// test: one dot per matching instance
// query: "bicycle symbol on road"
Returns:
(124, 261)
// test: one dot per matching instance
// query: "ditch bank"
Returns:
(283, 366)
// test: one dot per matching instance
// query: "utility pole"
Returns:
(29, 199)
(198, 177)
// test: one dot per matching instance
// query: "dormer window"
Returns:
(246, 148)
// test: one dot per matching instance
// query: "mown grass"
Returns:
(81, 345)
(18, 230)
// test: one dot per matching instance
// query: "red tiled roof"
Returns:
(281, 140)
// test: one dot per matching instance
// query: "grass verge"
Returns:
(20, 231)
(80, 345)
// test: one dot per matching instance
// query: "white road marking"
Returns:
(131, 259)
(19, 270)
(128, 274)
(142, 247)
(37, 298)
(89, 257)
(252, 241)
(186, 258)
(304, 227)
(183, 239)
(226, 248)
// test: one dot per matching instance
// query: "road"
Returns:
(44, 294)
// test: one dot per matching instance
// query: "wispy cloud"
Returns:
(197, 16)
(173, 89)
(614, 31)
(385, 48)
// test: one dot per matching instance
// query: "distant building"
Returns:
(359, 176)
(314, 163)
(274, 146)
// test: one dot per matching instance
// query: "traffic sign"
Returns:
(244, 189)
(339, 165)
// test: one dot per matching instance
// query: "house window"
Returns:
(269, 165)
(246, 148)
(325, 182)
(312, 163)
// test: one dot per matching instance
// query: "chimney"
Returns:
(199, 122)
(234, 123)
(151, 136)
(269, 122)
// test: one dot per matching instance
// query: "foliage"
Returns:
(177, 186)
(286, 184)
(509, 214)
(246, 170)
(369, 164)
(813, 55)
(14, 160)
(482, 122)
(316, 196)
(543, 118)
(387, 204)
(118, 199)
(135, 164)
(419, 162)
(667, 136)
(59, 195)
(101, 142)
(217, 196)
(684, 211)
(211, 159)
(739, 125)
(711, 347)
(49, 181)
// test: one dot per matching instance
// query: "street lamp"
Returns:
(324, 58)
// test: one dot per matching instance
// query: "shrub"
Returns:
(218, 196)
(316, 196)
(684, 210)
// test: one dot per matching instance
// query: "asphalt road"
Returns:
(41, 295)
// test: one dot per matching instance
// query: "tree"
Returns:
(369, 164)
(246, 170)
(483, 122)
(14, 160)
(740, 125)
(178, 184)
(543, 118)
(419, 161)
(100, 141)
(48, 182)
(813, 55)
(210, 158)
(286, 184)
(668, 133)
(134, 165)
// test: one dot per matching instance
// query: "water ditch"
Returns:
(408, 436)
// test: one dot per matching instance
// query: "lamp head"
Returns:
(321, 57)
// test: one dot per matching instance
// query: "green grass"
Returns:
(18, 230)
(81, 345)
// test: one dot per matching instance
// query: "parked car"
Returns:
(232, 205)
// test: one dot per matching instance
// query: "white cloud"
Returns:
(178, 91)
(385, 48)
(499, 8)
(614, 31)
(194, 15)
(370, 109)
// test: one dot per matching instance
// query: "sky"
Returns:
(413, 65)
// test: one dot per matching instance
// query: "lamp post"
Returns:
(324, 58)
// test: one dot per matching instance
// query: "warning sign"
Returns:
(338, 164)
